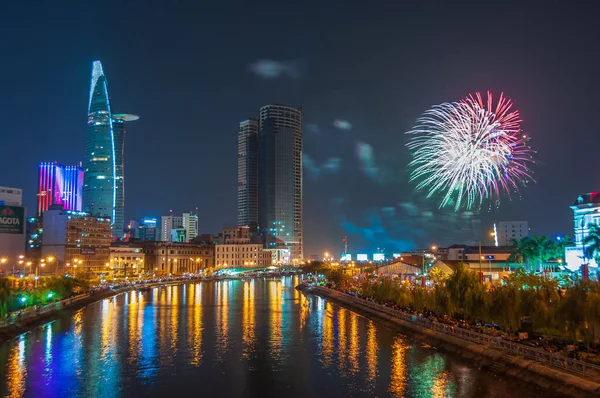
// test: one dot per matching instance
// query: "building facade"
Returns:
(586, 211)
(174, 258)
(77, 240)
(12, 229)
(280, 178)
(242, 255)
(103, 188)
(59, 185)
(237, 249)
(147, 229)
(509, 230)
(13, 232)
(167, 224)
(190, 225)
(11, 196)
(125, 260)
(247, 185)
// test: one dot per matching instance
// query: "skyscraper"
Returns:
(103, 189)
(247, 186)
(60, 185)
(280, 178)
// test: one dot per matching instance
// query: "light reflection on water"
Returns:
(231, 338)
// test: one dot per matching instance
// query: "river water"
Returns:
(258, 338)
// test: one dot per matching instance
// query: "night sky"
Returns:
(193, 69)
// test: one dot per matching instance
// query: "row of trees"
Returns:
(534, 252)
(49, 289)
(568, 308)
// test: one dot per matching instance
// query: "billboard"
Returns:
(378, 257)
(362, 257)
(346, 257)
(397, 255)
(12, 219)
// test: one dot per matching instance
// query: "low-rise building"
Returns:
(176, 258)
(76, 239)
(125, 260)
(242, 255)
(238, 250)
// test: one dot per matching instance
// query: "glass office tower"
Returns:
(103, 188)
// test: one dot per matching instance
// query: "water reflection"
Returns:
(17, 372)
(233, 338)
(275, 319)
(248, 322)
(398, 368)
(195, 327)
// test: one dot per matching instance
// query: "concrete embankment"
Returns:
(489, 358)
(15, 329)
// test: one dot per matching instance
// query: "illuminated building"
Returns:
(163, 258)
(125, 260)
(76, 239)
(586, 211)
(239, 249)
(59, 185)
(147, 229)
(34, 231)
(12, 225)
(247, 186)
(103, 189)
(280, 178)
(167, 224)
(179, 228)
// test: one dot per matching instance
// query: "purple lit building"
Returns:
(59, 185)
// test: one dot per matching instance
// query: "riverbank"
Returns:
(73, 304)
(493, 359)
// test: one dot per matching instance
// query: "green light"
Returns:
(50, 295)
(23, 299)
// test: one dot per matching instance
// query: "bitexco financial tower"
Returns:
(103, 184)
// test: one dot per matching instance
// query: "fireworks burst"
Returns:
(470, 151)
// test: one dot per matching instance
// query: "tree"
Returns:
(5, 296)
(591, 243)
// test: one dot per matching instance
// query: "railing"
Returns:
(535, 354)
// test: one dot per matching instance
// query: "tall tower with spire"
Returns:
(104, 184)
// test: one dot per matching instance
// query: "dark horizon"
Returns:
(362, 75)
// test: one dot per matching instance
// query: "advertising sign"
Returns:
(346, 257)
(12, 219)
(378, 257)
(361, 257)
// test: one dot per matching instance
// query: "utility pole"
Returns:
(480, 271)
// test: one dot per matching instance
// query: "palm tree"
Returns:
(544, 250)
(516, 253)
(591, 243)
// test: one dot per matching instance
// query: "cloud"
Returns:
(367, 160)
(313, 128)
(333, 165)
(310, 165)
(271, 69)
(342, 124)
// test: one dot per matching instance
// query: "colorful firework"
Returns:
(470, 151)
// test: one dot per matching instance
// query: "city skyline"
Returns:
(355, 113)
